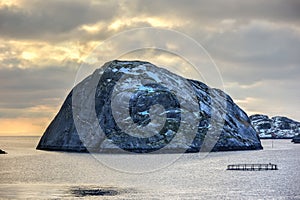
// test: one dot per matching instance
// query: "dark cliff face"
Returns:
(134, 106)
(275, 127)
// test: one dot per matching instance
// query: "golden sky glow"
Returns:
(9, 3)
(23, 126)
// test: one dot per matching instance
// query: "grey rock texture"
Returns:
(275, 127)
(134, 106)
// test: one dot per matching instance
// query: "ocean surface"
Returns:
(26, 173)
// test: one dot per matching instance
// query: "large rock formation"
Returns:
(275, 127)
(134, 106)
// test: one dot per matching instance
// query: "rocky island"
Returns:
(275, 127)
(135, 106)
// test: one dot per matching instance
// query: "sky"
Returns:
(255, 45)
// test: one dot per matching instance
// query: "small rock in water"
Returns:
(2, 152)
(296, 139)
(83, 192)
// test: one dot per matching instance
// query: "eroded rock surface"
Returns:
(134, 106)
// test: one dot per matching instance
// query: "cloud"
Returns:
(258, 43)
(210, 11)
(27, 88)
(62, 20)
(40, 19)
(272, 97)
(255, 52)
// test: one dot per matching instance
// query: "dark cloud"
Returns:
(259, 45)
(23, 88)
(209, 11)
(47, 19)
(60, 20)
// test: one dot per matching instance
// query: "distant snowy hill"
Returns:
(275, 127)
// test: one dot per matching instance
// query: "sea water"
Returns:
(26, 173)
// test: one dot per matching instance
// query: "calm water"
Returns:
(28, 173)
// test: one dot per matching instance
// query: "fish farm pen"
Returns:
(252, 167)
